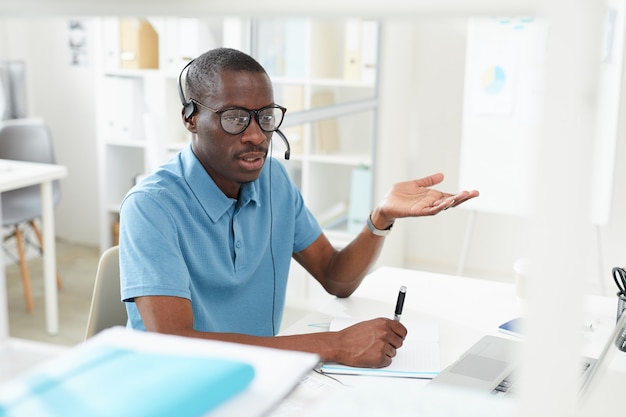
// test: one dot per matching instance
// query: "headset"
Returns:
(189, 108)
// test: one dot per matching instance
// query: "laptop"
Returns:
(489, 365)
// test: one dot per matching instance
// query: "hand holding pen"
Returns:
(372, 343)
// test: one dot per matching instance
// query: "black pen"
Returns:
(400, 303)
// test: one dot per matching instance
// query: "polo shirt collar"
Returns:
(214, 202)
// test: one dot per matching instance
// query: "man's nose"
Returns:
(254, 133)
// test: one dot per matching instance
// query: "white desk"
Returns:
(464, 308)
(17, 174)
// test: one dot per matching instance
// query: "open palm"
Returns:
(416, 198)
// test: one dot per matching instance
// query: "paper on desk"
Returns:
(417, 358)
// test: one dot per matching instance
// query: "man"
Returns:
(206, 241)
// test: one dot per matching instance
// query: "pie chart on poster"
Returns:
(494, 79)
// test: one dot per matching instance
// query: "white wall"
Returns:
(431, 94)
(63, 96)
(431, 89)
(433, 138)
(439, 89)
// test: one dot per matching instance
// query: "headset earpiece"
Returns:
(189, 107)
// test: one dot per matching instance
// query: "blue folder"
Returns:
(106, 381)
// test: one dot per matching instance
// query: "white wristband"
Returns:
(374, 230)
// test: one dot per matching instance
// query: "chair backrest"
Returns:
(107, 309)
(25, 140)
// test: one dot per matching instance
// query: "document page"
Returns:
(417, 358)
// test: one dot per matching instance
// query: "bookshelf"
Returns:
(324, 72)
(139, 124)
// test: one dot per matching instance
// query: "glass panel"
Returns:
(347, 137)
(319, 53)
(279, 44)
(289, 95)
(342, 196)
(323, 95)
(324, 71)
(345, 49)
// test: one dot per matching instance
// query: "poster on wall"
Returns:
(502, 113)
(77, 43)
(491, 79)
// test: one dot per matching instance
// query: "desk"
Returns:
(464, 308)
(18, 174)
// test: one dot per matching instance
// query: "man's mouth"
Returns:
(253, 160)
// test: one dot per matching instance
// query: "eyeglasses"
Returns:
(235, 120)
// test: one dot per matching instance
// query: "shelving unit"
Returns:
(325, 73)
(139, 115)
(328, 86)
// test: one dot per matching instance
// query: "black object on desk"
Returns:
(619, 276)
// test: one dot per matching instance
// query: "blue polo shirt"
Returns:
(181, 236)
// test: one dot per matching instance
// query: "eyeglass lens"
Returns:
(235, 121)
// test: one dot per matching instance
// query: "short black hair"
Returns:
(202, 74)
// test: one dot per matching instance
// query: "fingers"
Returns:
(444, 203)
(399, 330)
(386, 355)
(463, 196)
(372, 343)
(430, 180)
(454, 200)
(394, 342)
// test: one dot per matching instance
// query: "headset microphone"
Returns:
(288, 150)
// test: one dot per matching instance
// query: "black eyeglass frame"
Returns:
(252, 113)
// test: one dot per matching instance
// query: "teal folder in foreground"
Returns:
(106, 381)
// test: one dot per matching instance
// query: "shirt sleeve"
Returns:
(150, 258)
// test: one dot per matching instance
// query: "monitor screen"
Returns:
(12, 90)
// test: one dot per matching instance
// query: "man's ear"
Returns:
(189, 122)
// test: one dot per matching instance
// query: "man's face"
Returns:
(232, 159)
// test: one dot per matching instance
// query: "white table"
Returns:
(18, 174)
(465, 309)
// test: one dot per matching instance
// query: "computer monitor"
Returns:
(12, 90)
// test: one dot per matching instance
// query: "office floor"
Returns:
(77, 266)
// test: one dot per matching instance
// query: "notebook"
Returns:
(417, 358)
(490, 363)
(122, 372)
(103, 381)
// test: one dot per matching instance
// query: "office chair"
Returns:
(25, 140)
(107, 309)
